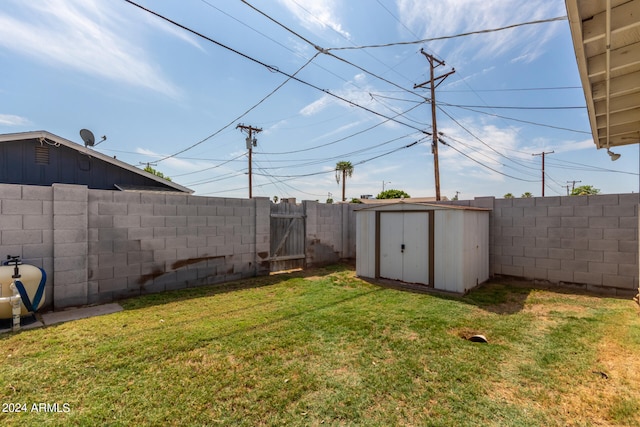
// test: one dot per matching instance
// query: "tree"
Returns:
(275, 199)
(355, 200)
(392, 194)
(149, 169)
(526, 195)
(343, 169)
(585, 190)
(508, 196)
(329, 200)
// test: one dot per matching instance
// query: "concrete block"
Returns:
(177, 243)
(139, 257)
(624, 199)
(628, 246)
(175, 221)
(165, 255)
(574, 222)
(70, 193)
(70, 222)
(233, 202)
(116, 260)
(101, 273)
(176, 199)
(139, 209)
(574, 244)
(603, 267)
(100, 221)
(187, 210)
(561, 232)
(70, 236)
(36, 192)
(112, 209)
(14, 222)
(536, 211)
(96, 196)
(197, 200)
(71, 249)
(525, 202)
(40, 251)
(535, 273)
(10, 192)
(112, 234)
(70, 295)
(233, 220)
(126, 221)
(535, 231)
(124, 246)
(129, 198)
(109, 285)
(557, 253)
(483, 202)
(196, 221)
(548, 201)
(216, 221)
(620, 233)
(603, 222)
(242, 211)
(511, 270)
(21, 237)
(572, 265)
(536, 252)
(186, 231)
(628, 270)
(19, 207)
(525, 221)
(217, 240)
(557, 276)
(513, 231)
(548, 263)
(69, 277)
(620, 257)
(152, 244)
(589, 210)
(615, 281)
(164, 232)
(524, 241)
(587, 278)
(205, 211)
(152, 221)
(500, 221)
(126, 271)
(587, 255)
(574, 201)
(564, 211)
(224, 211)
(603, 245)
(513, 250)
(547, 242)
(549, 221)
(140, 233)
(602, 199)
(588, 233)
(628, 222)
(624, 210)
(165, 210)
(523, 261)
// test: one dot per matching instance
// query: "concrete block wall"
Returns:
(330, 232)
(141, 243)
(591, 241)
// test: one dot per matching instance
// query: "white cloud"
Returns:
(82, 35)
(317, 14)
(12, 120)
(450, 17)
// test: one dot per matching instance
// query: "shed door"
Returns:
(404, 246)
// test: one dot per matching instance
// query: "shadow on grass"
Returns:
(160, 298)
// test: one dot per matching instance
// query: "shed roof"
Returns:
(51, 138)
(412, 206)
(606, 39)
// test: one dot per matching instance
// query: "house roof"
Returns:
(51, 138)
(606, 39)
(391, 201)
(408, 206)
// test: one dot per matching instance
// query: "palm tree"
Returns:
(343, 169)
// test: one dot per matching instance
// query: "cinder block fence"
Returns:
(98, 246)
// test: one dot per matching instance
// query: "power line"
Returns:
(422, 41)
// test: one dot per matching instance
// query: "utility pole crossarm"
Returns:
(433, 83)
(543, 154)
(251, 142)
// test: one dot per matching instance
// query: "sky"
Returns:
(325, 81)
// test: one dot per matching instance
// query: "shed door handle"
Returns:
(402, 248)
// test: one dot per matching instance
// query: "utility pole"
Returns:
(543, 154)
(573, 186)
(567, 187)
(251, 142)
(434, 82)
(383, 183)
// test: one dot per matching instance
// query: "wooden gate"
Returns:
(287, 236)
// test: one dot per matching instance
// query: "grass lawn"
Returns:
(322, 347)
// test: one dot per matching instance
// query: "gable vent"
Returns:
(42, 155)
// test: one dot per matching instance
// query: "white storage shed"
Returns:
(445, 247)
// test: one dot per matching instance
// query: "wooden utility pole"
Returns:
(573, 186)
(434, 82)
(543, 154)
(251, 142)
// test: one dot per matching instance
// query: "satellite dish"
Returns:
(87, 137)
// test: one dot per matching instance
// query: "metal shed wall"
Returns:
(460, 244)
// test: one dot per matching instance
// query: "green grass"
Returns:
(325, 348)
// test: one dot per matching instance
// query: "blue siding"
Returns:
(67, 166)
